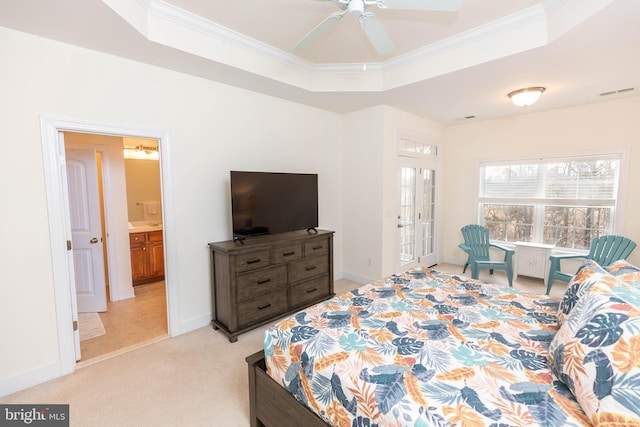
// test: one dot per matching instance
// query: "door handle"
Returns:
(94, 240)
(400, 225)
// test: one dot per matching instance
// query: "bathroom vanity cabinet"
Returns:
(147, 257)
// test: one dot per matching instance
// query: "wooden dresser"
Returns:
(268, 277)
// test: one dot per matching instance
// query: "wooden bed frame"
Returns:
(270, 405)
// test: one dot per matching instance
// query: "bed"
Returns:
(429, 348)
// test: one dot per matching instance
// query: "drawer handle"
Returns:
(311, 267)
(289, 253)
(315, 248)
(253, 261)
(263, 281)
(309, 291)
(262, 307)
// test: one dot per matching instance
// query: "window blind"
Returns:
(574, 180)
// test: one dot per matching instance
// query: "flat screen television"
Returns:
(273, 202)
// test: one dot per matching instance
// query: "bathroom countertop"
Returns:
(144, 226)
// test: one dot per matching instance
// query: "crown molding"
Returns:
(166, 24)
(213, 30)
(487, 31)
(189, 20)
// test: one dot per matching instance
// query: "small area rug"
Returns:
(90, 326)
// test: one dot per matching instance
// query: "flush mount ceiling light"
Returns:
(525, 97)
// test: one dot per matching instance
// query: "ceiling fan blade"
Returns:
(320, 30)
(376, 33)
(439, 5)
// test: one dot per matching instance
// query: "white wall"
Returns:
(213, 128)
(143, 185)
(362, 193)
(587, 128)
(370, 188)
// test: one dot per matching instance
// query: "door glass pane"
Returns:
(411, 146)
(428, 211)
(407, 215)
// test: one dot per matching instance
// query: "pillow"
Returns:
(625, 272)
(596, 353)
(588, 274)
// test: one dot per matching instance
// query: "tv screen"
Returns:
(272, 202)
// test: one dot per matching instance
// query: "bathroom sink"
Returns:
(142, 226)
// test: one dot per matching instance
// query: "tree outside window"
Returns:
(564, 202)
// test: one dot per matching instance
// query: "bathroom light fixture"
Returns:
(141, 153)
(527, 96)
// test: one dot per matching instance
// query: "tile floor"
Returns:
(129, 323)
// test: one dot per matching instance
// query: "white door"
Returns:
(416, 213)
(86, 230)
(69, 256)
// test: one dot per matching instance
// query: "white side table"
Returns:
(532, 260)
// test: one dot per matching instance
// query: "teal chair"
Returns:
(477, 246)
(605, 250)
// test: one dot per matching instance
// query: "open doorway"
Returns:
(60, 233)
(133, 310)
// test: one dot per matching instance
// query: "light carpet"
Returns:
(90, 326)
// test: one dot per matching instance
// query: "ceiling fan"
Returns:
(372, 28)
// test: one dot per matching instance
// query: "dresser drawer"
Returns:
(253, 260)
(309, 291)
(261, 282)
(286, 253)
(261, 308)
(316, 247)
(307, 268)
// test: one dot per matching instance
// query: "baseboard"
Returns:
(29, 379)
(193, 324)
(125, 294)
(454, 261)
(359, 279)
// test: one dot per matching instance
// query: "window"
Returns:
(565, 202)
(414, 146)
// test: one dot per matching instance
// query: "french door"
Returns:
(417, 212)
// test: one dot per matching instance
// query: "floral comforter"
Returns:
(436, 350)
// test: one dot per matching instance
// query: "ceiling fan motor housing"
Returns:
(373, 29)
(356, 7)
